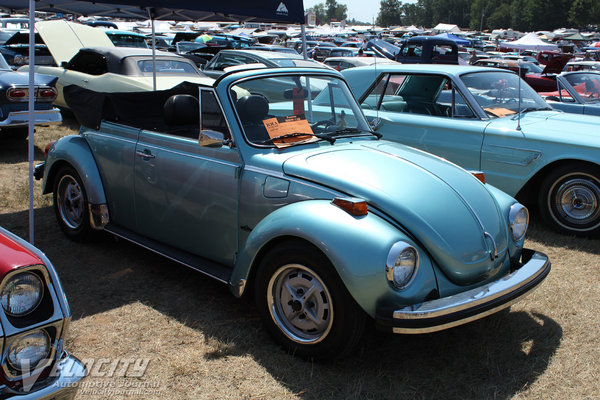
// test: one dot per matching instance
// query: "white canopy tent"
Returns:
(530, 42)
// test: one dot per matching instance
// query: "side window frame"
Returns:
(210, 92)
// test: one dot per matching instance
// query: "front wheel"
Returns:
(569, 199)
(304, 304)
(70, 204)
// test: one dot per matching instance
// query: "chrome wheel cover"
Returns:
(300, 304)
(70, 202)
(577, 202)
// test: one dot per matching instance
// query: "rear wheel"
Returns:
(70, 204)
(569, 199)
(304, 304)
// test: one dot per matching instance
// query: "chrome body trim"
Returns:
(444, 313)
(21, 118)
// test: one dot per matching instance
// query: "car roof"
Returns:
(264, 53)
(118, 53)
(434, 68)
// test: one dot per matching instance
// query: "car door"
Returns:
(426, 111)
(186, 192)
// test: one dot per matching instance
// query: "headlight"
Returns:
(27, 351)
(518, 220)
(402, 264)
(21, 294)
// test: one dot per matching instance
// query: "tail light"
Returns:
(21, 94)
(17, 94)
(46, 94)
(48, 147)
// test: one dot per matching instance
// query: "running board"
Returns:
(200, 264)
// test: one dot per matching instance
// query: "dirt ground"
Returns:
(191, 339)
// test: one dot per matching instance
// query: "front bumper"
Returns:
(69, 372)
(42, 117)
(447, 312)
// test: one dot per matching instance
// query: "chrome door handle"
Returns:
(144, 155)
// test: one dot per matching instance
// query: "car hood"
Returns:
(22, 78)
(444, 207)
(554, 125)
(14, 255)
(556, 64)
(64, 39)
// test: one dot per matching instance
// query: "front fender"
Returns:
(357, 247)
(75, 151)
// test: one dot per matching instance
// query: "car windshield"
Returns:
(587, 85)
(167, 67)
(185, 47)
(498, 93)
(282, 111)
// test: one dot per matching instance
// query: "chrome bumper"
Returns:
(447, 312)
(70, 371)
(43, 117)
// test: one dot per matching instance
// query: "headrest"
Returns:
(181, 109)
(253, 108)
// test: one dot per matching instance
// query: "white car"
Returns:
(342, 63)
(87, 58)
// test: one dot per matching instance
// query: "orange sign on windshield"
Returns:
(290, 125)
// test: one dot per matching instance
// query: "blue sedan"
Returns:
(490, 120)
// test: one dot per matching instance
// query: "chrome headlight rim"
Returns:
(397, 249)
(15, 275)
(46, 353)
(514, 212)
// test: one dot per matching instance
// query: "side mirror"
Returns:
(210, 138)
(376, 123)
(64, 64)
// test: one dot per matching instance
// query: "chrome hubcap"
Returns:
(577, 201)
(300, 304)
(70, 202)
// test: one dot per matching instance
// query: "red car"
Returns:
(540, 79)
(34, 319)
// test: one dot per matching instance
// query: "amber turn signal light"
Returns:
(479, 175)
(352, 205)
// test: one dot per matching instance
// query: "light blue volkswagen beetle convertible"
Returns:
(475, 118)
(296, 199)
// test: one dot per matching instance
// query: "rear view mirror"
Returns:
(289, 93)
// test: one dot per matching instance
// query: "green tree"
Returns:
(335, 11)
(319, 10)
(390, 13)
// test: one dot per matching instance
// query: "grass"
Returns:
(205, 344)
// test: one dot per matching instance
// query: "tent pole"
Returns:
(151, 15)
(31, 107)
(303, 30)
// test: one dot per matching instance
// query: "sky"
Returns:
(362, 10)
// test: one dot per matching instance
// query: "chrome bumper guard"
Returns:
(38, 171)
(461, 308)
(42, 117)
(70, 371)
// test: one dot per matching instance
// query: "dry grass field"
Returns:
(202, 343)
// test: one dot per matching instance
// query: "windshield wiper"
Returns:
(350, 131)
(297, 134)
(528, 109)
